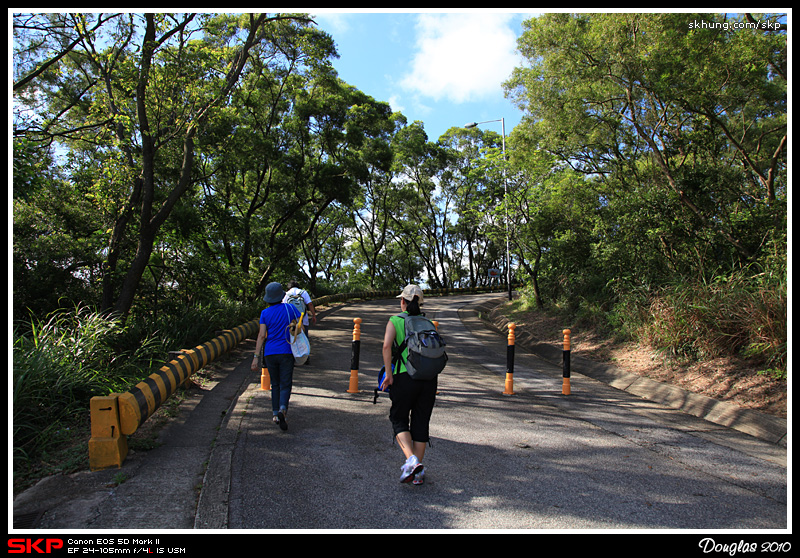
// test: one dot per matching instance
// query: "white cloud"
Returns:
(335, 22)
(462, 57)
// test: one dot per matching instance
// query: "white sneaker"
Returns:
(411, 467)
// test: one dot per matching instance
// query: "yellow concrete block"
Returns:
(108, 447)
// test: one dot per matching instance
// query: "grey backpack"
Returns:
(426, 354)
(297, 301)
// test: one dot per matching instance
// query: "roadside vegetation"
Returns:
(739, 316)
(73, 354)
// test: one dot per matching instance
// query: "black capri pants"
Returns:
(412, 405)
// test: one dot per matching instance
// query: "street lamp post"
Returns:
(505, 201)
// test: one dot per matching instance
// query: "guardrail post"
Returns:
(354, 356)
(509, 388)
(566, 389)
(108, 447)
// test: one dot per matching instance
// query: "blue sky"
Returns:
(442, 68)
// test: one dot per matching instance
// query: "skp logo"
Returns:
(34, 546)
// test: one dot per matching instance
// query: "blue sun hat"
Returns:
(273, 293)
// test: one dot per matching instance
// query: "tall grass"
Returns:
(60, 362)
(735, 315)
(738, 314)
(71, 355)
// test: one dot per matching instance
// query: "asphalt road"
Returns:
(600, 458)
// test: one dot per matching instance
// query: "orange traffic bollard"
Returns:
(510, 360)
(355, 356)
(265, 379)
(565, 388)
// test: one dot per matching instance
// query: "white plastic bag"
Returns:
(301, 348)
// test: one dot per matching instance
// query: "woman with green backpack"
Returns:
(412, 399)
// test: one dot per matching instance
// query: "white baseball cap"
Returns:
(410, 291)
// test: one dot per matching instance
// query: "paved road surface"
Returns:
(598, 459)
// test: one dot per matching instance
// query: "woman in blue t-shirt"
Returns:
(272, 346)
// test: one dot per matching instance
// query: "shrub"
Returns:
(736, 315)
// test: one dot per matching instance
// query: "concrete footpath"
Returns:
(616, 454)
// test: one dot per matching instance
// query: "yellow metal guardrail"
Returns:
(116, 416)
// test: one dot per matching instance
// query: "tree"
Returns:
(477, 179)
(135, 92)
(336, 137)
(422, 216)
(647, 102)
(56, 240)
(252, 211)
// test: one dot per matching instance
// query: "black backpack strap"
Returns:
(397, 350)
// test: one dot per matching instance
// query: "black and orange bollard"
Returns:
(565, 389)
(354, 356)
(510, 360)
